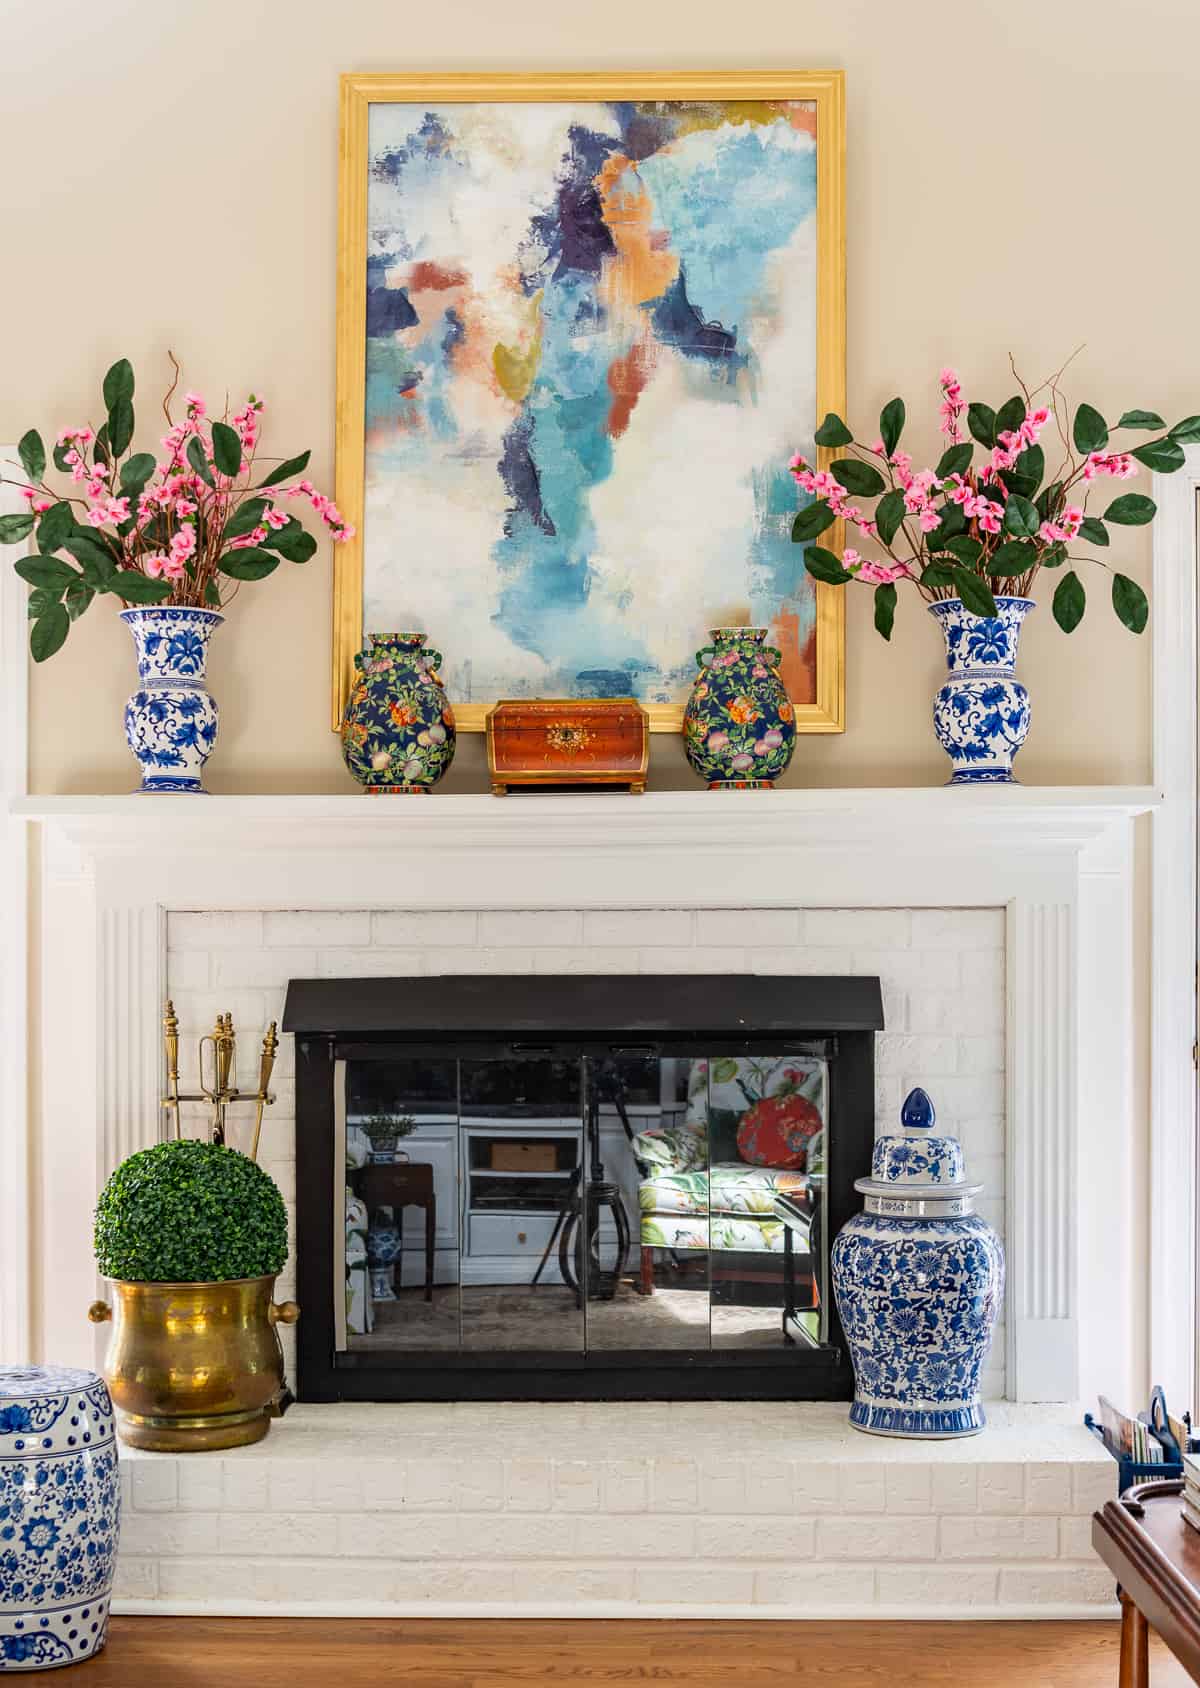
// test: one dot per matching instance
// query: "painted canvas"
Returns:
(591, 344)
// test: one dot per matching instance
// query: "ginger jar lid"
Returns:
(916, 1161)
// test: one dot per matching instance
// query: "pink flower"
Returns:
(275, 517)
(1118, 464)
(155, 565)
(1051, 534)
(850, 558)
(195, 405)
(989, 518)
(185, 507)
(881, 574)
(929, 519)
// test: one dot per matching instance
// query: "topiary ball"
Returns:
(190, 1212)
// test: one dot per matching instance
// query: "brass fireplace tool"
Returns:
(218, 1050)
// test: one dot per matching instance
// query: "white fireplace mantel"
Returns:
(1058, 860)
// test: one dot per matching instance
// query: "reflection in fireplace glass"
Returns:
(604, 1203)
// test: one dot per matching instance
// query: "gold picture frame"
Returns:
(825, 88)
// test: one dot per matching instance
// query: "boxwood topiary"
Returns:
(190, 1212)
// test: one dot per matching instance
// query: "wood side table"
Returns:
(401, 1184)
(1155, 1558)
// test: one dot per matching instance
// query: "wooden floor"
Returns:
(441, 1653)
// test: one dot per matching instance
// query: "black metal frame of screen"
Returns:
(570, 1017)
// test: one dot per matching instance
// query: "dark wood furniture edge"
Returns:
(1169, 1602)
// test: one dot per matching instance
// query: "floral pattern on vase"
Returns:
(398, 730)
(171, 720)
(739, 726)
(383, 1251)
(60, 1514)
(919, 1278)
(981, 712)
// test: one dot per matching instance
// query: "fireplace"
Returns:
(548, 1188)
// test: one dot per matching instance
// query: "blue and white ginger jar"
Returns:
(171, 720)
(919, 1279)
(60, 1515)
(981, 713)
(383, 1251)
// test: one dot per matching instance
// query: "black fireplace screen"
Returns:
(556, 1188)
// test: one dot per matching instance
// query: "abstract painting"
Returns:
(587, 339)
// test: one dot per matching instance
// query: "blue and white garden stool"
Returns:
(60, 1515)
(919, 1278)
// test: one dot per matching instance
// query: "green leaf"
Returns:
(885, 609)
(293, 542)
(118, 384)
(889, 513)
(46, 571)
(32, 453)
(955, 460)
(1141, 419)
(937, 574)
(1010, 416)
(975, 592)
(54, 526)
(49, 632)
(250, 564)
(858, 478)
(1090, 432)
(1129, 601)
(58, 456)
(981, 420)
(1186, 432)
(101, 452)
(245, 518)
(891, 426)
(833, 431)
(1026, 476)
(1132, 509)
(1015, 556)
(195, 456)
(1053, 555)
(812, 520)
(1093, 530)
(953, 521)
(1020, 517)
(135, 472)
(93, 556)
(138, 588)
(16, 527)
(966, 549)
(79, 597)
(297, 465)
(1070, 601)
(1165, 455)
(227, 449)
(120, 426)
(212, 595)
(824, 565)
(40, 600)
(1048, 499)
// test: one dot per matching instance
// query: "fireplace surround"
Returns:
(631, 1120)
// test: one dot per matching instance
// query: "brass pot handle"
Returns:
(283, 1312)
(99, 1312)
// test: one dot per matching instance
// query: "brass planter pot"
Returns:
(194, 1366)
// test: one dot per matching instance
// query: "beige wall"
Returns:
(1018, 179)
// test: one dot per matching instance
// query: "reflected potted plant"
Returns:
(172, 538)
(973, 534)
(385, 1132)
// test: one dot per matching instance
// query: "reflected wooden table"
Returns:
(401, 1184)
(1155, 1558)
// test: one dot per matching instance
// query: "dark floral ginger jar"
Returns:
(739, 727)
(981, 712)
(398, 729)
(919, 1278)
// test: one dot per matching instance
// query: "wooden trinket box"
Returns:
(564, 742)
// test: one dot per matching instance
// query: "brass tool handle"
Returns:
(99, 1312)
(283, 1312)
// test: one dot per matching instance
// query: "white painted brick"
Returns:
(153, 1485)
(999, 1538)
(188, 970)
(489, 961)
(228, 1579)
(320, 928)
(1001, 1488)
(958, 928)
(586, 961)
(955, 1488)
(676, 1484)
(432, 929)
(895, 1007)
(291, 1485)
(1093, 1484)
(219, 929)
(908, 1488)
(262, 969)
(639, 927)
(647, 1536)
(868, 1537)
(528, 1485)
(427, 1535)
(866, 928)
(581, 1584)
(862, 1487)
(480, 1485)
(983, 974)
(626, 1485)
(807, 960)
(381, 963)
(1058, 1585)
(752, 1538)
(502, 1535)
(430, 1484)
(289, 1534)
(666, 960)
(576, 1485)
(200, 1484)
(738, 927)
(490, 1585)
(251, 1010)
(816, 1487)
(906, 969)
(903, 1053)
(917, 1588)
(1075, 1538)
(529, 927)
(136, 1579)
(962, 1096)
(385, 1488)
(769, 1486)
(722, 1486)
(168, 1535)
(691, 1584)
(981, 1054)
(244, 1483)
(1048, 1487)
(812, 1588)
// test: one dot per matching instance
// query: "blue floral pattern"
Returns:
(981, 713)
(59, 1515)
(171, 720)
(739, 726)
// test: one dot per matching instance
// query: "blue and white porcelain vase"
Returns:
(171, 720)
(383, 1251)
(919, 1278)
(981, 713)
(739, 727)
(60, 1515)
